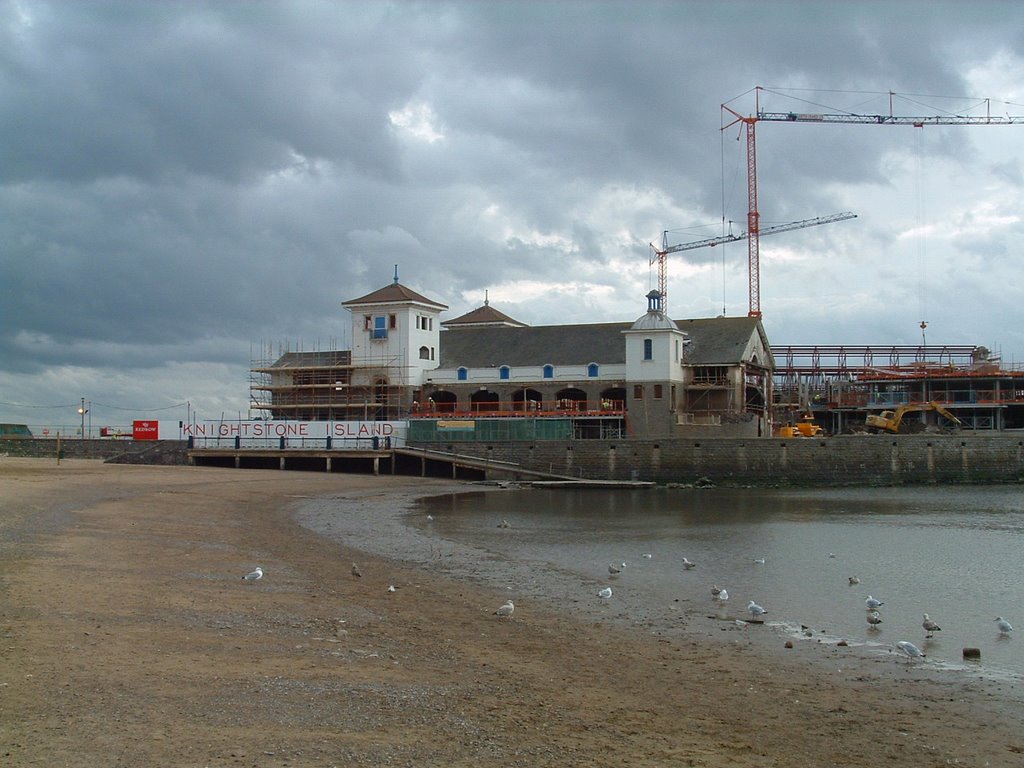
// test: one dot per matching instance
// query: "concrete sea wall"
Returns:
(846, 460)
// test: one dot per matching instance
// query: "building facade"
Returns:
(653, 378)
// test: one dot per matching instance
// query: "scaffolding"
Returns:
(324, 385)
(841, 384)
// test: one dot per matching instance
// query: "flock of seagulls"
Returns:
(719, 594)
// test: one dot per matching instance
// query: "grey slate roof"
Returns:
(720, 340)
(481, 347)
(713, 341)
(313, 359)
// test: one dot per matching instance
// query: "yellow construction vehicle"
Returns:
(892, 421)
(804, 427)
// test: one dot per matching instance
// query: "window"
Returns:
(392, 322)
(549, 371)
(648, 349)
(380, 329)
(504, 372)
(424, 353)
(367, 322)
(657, 391)
(638, 391)
(592, 370)
(462, 374)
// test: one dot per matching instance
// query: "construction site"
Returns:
(813, 390)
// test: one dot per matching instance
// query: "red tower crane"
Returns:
(753, 230)
(659, 254)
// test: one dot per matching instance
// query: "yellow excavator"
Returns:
(892, 421)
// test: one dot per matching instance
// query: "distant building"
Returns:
(655, 377)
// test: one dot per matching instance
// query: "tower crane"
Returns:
(749, 122)
(659, 254)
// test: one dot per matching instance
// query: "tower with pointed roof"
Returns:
(395, 335)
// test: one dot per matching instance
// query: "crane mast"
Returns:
(750, 121)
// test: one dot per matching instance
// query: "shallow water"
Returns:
(953, 552)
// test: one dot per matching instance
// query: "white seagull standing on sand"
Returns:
(874, 619)
(254, 575)
(756, 611)
(615, 570)
(1005, 627)
(910, 649)
(930, 626)
(723, 595)
(759, 561)
(854, 580)
(687, 565)
(873, 604)
(605, 593)
(505, 610)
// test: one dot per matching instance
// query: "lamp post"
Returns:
(82, 411)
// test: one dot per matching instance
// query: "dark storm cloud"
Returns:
(182, 180)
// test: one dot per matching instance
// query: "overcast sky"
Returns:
(186, 187)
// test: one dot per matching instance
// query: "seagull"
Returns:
(505, 610)
(688, 565)
(872, 603)
(504, 524)
(759, 561)
(723, 595)
(648, 555)
(614, 569)
(391, 588)
(429, 518)
(831, 554)
(716, 591)
(929, 626)
(355, 571)
(910, 649)
(756, 611)
(874, 620)
(605, 593)
(854, 580)
(1005, 627)
(254, 575)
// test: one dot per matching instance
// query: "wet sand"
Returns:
(129, 638)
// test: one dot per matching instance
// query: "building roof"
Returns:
(713, 341)
(722, 340)
(393, 293)
(484, 346)
(485, 315)
(324, 359)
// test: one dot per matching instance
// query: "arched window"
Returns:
(549, 371)
(424, 353)
(592, 370)
(504, 372)
(462, 374)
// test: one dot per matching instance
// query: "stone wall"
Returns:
(846, 460)
(114, 451)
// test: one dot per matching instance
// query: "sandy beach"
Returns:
(129, 638)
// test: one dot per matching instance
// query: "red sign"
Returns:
(145, 430)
